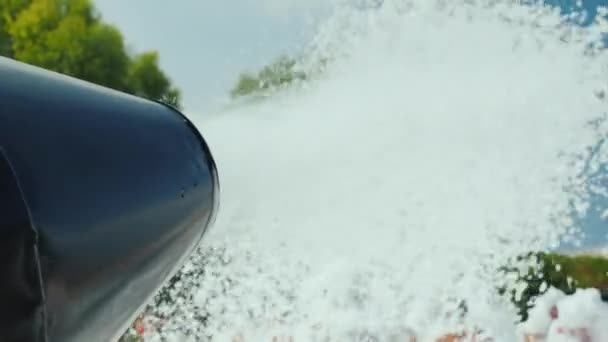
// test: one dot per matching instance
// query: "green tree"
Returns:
(281, 73)
(69, 37)
(103, 60)
(48, 33)
(8, 11)
(146, 79)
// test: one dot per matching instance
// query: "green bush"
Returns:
(564, 272)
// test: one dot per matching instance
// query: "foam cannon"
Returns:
(103, 196)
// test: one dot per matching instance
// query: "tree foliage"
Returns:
(283, 72)
(8, 11)
(149, 81)
(69, 37)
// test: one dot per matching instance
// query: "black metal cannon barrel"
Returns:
(102, 197)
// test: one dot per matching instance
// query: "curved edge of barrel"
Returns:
(210, 160)
(210, 221)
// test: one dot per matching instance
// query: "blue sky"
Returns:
(204, 45)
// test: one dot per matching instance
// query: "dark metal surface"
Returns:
(119, 190)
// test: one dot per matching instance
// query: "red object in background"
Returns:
(553, 312)
(139, 327)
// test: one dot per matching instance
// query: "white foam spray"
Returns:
(442, 139)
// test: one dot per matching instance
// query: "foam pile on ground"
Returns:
(580, 314)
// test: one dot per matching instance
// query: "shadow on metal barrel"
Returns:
(102, 197)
